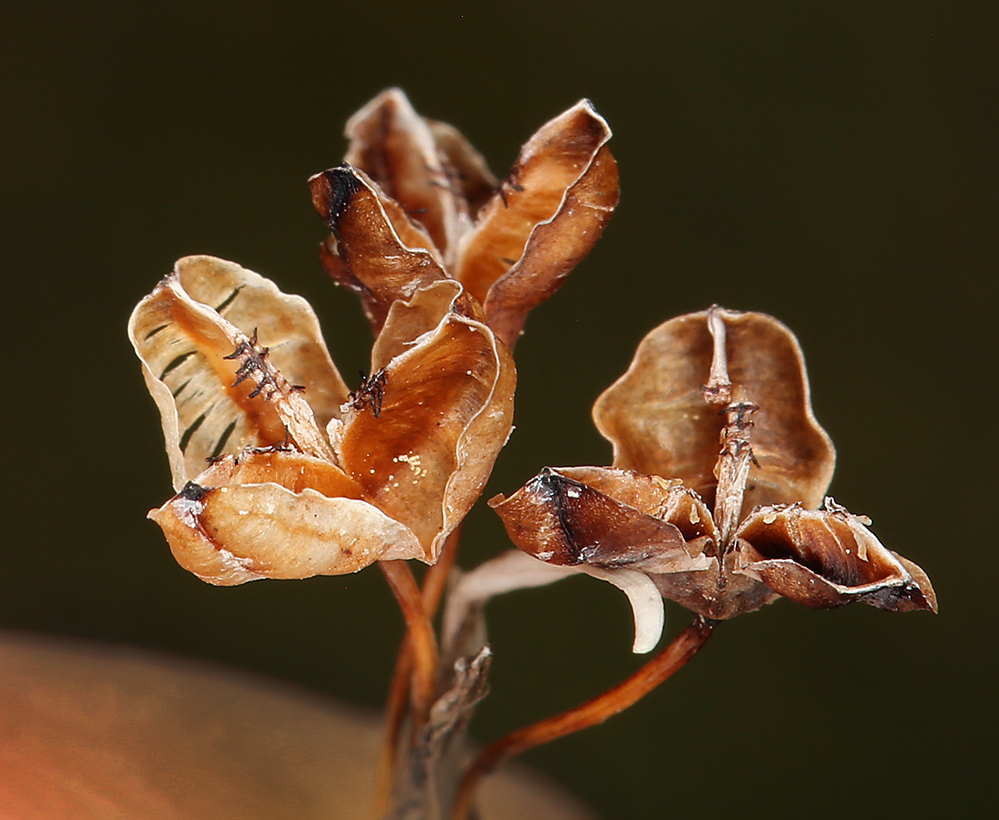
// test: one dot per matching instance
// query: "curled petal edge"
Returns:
(234, 534)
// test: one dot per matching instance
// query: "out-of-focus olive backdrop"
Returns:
(832, 164)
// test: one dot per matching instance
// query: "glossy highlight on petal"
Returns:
(446, 412)
(238, 533)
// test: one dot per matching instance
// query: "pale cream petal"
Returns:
(212, 401)
(238, 533)
(515, 570)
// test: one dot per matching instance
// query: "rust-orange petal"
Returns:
(446, 410)
(546, 215)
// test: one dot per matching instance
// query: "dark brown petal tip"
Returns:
(375, 250)
(828, 558)
(563, 521)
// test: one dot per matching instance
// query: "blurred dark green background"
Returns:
(833, 164)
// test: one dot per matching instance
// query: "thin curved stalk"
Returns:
(434, 583)
(420, 634)
(595, 711)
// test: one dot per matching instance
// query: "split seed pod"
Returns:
(281, 472)
(717, 487)
(415, 203)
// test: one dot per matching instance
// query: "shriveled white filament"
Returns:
(517, 570)
(646, 604)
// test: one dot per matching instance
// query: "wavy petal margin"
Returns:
(446, 410)
(828, 558)
(237, 533)
(548, 212)
(375, 249)
(397, 148)
(213, 402)
(657, 418)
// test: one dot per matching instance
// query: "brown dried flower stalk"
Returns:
(716, 497)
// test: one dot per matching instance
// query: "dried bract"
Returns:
(713, 419)
(415, 202)
(303, 477)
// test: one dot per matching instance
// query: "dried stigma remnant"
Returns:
(414, 203)
(280, 471)
(722, 531)
(371, 393)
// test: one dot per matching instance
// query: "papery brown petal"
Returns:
(828, 558)
(476, 181)
(183, 333)
(446, 411)
(563, 521)
(554, 160)
(409, 320)
(234, 534)
(554, 248)
(659, 423)
(667, 500)
(393, 145)
(379, 258)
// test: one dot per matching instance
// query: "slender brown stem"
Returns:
(395, 714)
(435, 580)
(434, 583)
(420, 633)
(595, 711)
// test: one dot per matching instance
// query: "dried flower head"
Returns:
(282, 472)
(716, 492)
(415, 203)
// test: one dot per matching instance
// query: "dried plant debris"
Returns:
(717, 488)
(281, 471)
(429, 775)
(414, 203)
